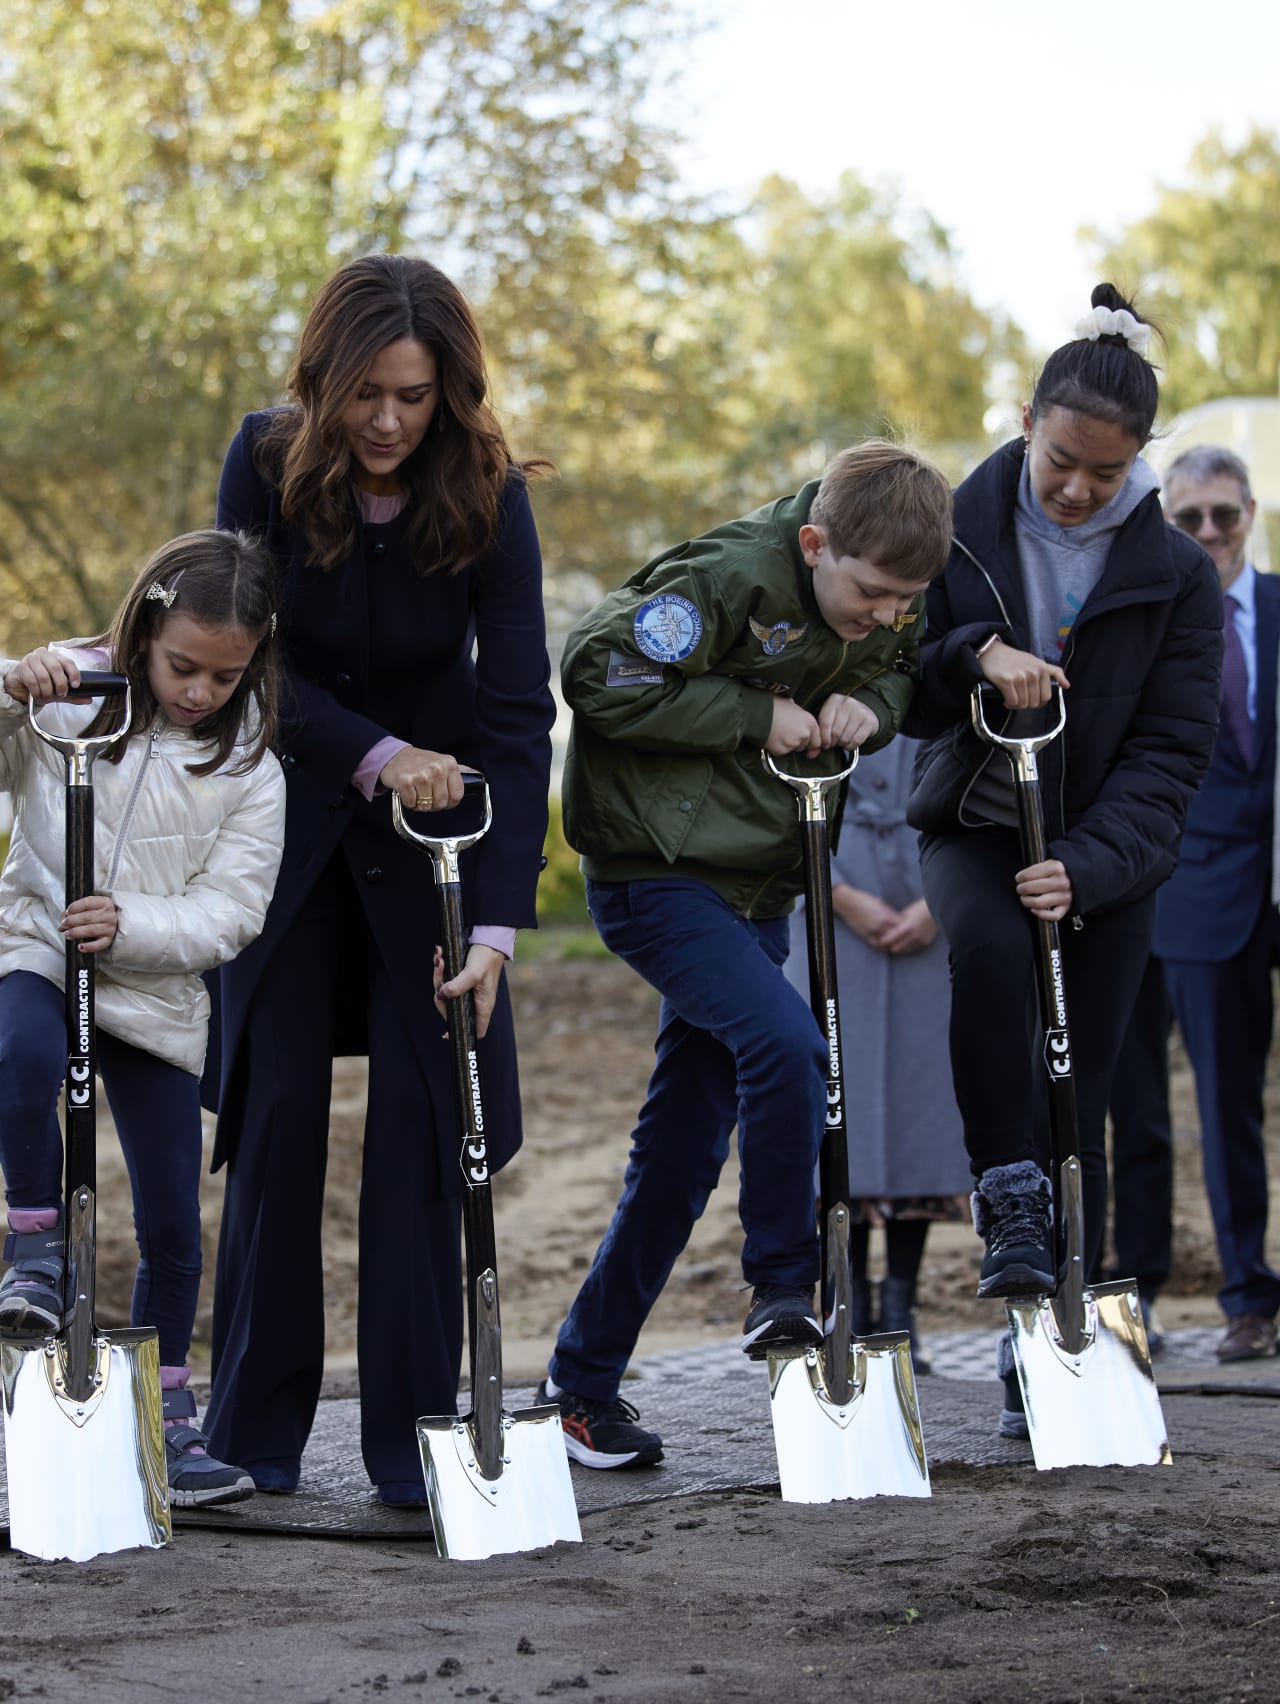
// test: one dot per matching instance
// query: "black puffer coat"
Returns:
(1143, 661)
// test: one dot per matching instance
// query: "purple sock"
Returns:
(32, 1218)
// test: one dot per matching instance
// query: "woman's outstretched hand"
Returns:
(481, 974)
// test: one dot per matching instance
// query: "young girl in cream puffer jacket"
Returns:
(189, 812)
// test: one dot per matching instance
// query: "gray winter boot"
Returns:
(898, 1313)
(1012, 1211)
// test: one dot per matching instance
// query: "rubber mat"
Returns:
(712, 1408)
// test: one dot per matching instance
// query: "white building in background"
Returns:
(1249, 425)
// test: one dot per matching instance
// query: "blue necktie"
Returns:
(1235, 684)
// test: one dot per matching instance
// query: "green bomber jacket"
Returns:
(670, 679)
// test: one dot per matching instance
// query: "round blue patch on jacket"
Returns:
(668, 628)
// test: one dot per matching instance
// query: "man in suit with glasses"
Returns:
(1217, 931)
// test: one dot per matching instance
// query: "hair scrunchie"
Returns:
(1115, 322)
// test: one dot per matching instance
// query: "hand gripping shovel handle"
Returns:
(79, 752)
(833, 1161)
(483, 1323)
(1051, 991)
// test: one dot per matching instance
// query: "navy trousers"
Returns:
(268, 1317)
(736, 1044)
(996, 1047)
(1142, 1140)
(156, 1108)
(1225, 1014)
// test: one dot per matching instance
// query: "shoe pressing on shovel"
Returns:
(496, 1482)
(846, 1419)
(83, 1431)
(1081, 1350)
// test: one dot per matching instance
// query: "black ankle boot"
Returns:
(898, 1313)
(862, 1311)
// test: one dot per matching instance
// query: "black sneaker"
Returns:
(603, 1433)
(1012, 1211)
(780, 1317)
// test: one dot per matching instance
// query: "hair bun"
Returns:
(1112, 320)
(1107, 296)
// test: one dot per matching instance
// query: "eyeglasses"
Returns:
(1224, 517)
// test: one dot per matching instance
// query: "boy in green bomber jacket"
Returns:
(792, 629)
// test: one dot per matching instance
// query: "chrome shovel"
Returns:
(846, 1418)
(1081, 1351)
(83, 1429)
(497, 1482)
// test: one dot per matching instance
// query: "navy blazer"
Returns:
(454, 663)
(1222, 885)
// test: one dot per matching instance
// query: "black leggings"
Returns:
(996, 1038)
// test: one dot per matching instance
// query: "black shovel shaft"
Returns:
(477, 1204)
(1050, 990)
(833, 1165)
(79, 978)
(81, 1093)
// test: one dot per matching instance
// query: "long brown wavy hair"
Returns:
(220, 579)
(455, 477)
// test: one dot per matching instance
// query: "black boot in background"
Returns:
(898, 1313)
(862, 1310)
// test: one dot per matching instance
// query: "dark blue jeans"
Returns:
(736, 1044)
(156, 1107)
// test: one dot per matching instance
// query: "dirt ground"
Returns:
(1156, 1584)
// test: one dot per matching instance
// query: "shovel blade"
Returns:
(870, 1446)
(528, 1505)
(85, 1478)
(1098, 1407)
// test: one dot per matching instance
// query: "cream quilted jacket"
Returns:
(190, 862)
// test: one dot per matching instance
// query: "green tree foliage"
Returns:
(1207, 261)
(705, 369)
(181, 175)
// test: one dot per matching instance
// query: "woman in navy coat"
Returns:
(413, 637)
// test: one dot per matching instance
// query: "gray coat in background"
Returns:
(905, 1137)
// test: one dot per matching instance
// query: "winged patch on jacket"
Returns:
(778, 637)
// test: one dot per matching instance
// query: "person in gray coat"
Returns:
(907, 1162)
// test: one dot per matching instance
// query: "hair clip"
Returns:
(156, 593)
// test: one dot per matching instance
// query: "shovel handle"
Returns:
(79, 751)
(833, 1155)
(473, 1159)
(1052, 996)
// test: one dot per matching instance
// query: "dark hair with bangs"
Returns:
(887, 505)
(455, 477)
(1102, 377)
(221, 580)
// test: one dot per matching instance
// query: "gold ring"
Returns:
(421, 804)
